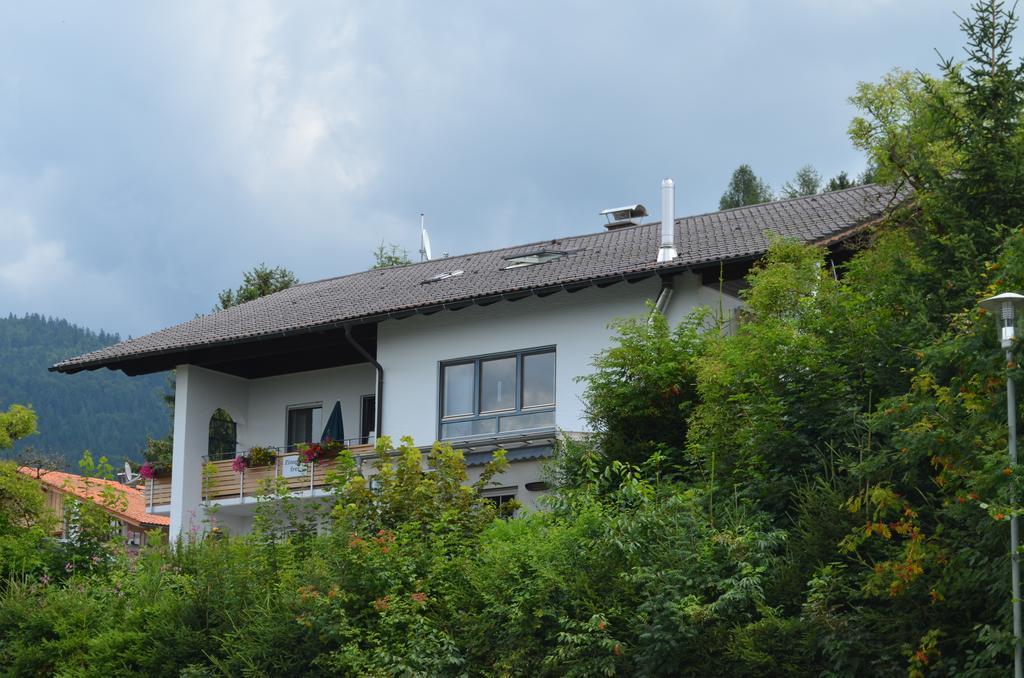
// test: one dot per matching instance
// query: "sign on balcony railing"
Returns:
(292, 467)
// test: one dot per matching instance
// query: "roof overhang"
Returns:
(325, 345)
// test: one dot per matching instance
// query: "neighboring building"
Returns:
(128, 514)
(482, 350)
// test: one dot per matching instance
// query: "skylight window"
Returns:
(443, 276)
(532, 259)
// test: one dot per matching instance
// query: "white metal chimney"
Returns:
(667, 251)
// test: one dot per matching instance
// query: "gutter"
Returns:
(378, 400)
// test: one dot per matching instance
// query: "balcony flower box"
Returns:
(311, 453)
(331, 448)
(259, 456)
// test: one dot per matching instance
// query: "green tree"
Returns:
(806, 182)
(25, 523)
(745, 188)
(17, 422)
(839, 182)
(259, 282)
(386, 256)
(956, 139)
(643, 389)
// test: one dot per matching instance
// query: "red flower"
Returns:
(147, 471)
(239, 464)
(311, 452)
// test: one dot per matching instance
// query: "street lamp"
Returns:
(1007, 307)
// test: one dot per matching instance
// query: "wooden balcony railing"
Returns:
(156, 492)
(221, 482)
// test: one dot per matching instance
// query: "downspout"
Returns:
(664, 297)
(379, 397)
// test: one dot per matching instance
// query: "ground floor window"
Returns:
(500, 497)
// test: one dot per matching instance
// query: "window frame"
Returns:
(292, 447)
(364, 433)
(496, 415)
(233, 441)
(499, 496)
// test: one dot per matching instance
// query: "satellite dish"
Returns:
(129, 477)
(424, 240)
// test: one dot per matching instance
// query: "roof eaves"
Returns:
(71, 366)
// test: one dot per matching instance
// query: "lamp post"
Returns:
(1007, 307)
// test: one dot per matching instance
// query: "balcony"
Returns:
(221, 483)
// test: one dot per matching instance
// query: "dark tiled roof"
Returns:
(370, 295)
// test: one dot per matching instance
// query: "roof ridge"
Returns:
(780, 202)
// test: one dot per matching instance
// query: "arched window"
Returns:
(223, 436)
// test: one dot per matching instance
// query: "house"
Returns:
(482, 350)
(125, 504)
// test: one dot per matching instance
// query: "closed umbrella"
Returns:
(335, 429)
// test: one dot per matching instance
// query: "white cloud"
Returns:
(30, 261)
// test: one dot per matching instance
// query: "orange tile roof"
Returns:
(91, 489)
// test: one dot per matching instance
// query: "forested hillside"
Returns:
(103, 411)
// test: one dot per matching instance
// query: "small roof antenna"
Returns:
(424, 239)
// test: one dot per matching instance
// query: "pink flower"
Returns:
(147, 471)
(239, 464)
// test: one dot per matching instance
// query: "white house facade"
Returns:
(482, 350)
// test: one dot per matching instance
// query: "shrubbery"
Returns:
(420, 578)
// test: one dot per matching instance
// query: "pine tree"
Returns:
(745, 188)
(806, 182)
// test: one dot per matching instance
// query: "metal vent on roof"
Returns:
(532, 258)
(443, 276)
(620, 217)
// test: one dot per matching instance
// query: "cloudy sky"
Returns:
(151, 152)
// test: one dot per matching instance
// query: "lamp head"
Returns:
(1007, 309)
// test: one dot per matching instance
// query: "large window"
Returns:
(491, 395)
(304, 424)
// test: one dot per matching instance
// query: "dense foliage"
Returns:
(103, 411)
(823, 491)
